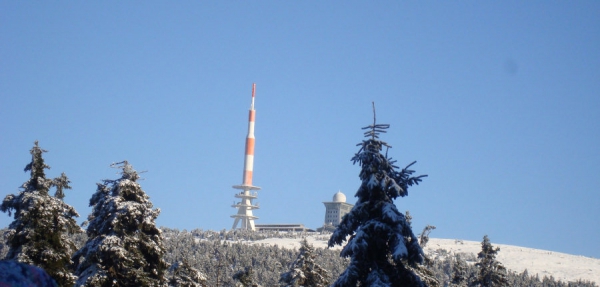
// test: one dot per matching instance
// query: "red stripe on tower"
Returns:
(249, 159)
(245, 206)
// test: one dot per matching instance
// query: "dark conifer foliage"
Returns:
(491, 272)
(219, 255)
(40, 232)
(382, 246)
(424, 271)
(459, 272)
(124, 246)
(182, 274)
(246, 278)
(304, 271)
(424, 236)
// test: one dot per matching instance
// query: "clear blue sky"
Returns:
(498, 101)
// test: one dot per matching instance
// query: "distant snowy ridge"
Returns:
(561, 266)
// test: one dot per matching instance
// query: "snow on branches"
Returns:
(381, 245)
(124, 244)
(39, 234)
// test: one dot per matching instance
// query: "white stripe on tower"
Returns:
(249, 159)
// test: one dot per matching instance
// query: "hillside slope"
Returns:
(564, 267)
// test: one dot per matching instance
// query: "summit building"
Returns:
(336, 209)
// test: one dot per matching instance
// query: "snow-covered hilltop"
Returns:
(564, 267)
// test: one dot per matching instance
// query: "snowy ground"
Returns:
(562, 266)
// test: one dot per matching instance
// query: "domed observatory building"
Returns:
(335, 210)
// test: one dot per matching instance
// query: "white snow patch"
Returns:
(318, 241)
(561, 266)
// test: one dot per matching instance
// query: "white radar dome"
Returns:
(339, 197)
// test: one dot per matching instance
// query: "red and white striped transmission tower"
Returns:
(245, 206)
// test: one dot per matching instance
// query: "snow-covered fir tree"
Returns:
(424, 236)
(304, 271)
(424, 270)
(459, 272)
(382, 247)
(124, 246)
(182, 274)
(491, 272)
(245, 278)
(40, 232)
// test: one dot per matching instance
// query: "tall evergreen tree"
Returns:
(304, 271)
(381, 244)
(39, 234)
(491, 272)
(124, 247)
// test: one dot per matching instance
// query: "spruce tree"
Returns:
(184, 275)
(459, 272)
(124, 246)
(491, 272)
(424, 271)
(245, 278)
(304, 271)
(382, 247)
(424, 236)
(40, 232)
